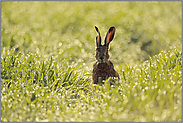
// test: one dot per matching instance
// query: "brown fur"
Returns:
(103, 67)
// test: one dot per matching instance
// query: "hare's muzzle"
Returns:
(101, 59)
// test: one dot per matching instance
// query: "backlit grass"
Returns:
(47, 52)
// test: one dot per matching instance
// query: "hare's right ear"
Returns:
(109, 36)
(98, 38)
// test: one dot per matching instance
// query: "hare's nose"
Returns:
(101, 59)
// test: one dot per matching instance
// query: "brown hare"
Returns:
(103, 68)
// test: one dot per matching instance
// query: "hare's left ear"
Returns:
(109, 36)
(98, 38)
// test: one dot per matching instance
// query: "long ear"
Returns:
(98, 38)
(109, 36)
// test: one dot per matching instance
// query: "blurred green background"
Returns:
(66, 29)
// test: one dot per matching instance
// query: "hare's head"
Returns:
(102, 54)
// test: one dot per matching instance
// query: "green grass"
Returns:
(47, 57)
(33, 90)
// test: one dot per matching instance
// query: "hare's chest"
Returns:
(103, 67)
(103, 70)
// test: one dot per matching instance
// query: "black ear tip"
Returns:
(112, 28)
(96, 28)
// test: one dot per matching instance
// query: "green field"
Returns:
(47, 55)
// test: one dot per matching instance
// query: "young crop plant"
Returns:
(48, 91)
